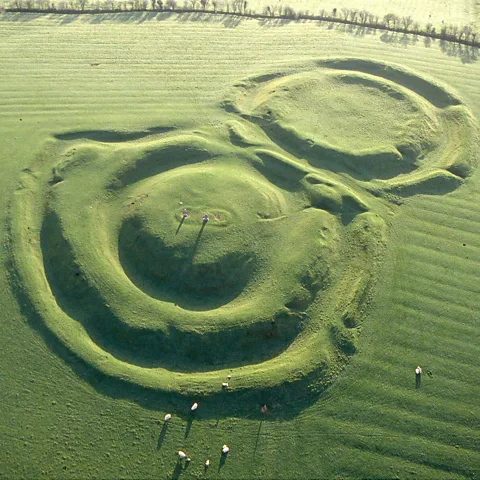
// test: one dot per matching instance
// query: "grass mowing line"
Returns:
(457, 228)
(417, 401)
(437, 308)
(463, 362)
(442, 256)
(408, 447)
(456, 326)
(436, 298)
(389, 420)
(438, 274)
(414, 337)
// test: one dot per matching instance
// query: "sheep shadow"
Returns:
(223, 460)
(180, 225)
(177, 471)
(189, 427)
(258, 438)
(161, 438)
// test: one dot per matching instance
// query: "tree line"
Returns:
(351, 16)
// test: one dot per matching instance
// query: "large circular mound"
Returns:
(111, 249)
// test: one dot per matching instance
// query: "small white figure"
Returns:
(207, 463)
(224, 385)
(418, 370)
(194, 407)
(188, 460)
(181, 455)
(229, 377)
(167, 417)
(225, 449)
(205, 218)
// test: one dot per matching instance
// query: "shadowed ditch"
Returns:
(174, 349)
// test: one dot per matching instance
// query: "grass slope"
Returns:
(61, 418)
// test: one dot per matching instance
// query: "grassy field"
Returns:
(345, 259)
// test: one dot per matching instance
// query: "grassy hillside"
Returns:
(84, 101)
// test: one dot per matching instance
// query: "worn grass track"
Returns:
(61, 418)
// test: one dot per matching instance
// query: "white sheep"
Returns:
(167, 417)
(194, 407)
(224, 385)
(229, 377)
(181, 455)
(225, 449)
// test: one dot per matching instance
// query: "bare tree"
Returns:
(238, 6)
(363, 14)
(345, 13)
(407, 21)
(289, 12)
(453, 30)
(466, 32)
(391, 20)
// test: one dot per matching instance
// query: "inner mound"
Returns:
(173, 273)
(184, 260)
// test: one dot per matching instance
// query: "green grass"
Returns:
(72, 410)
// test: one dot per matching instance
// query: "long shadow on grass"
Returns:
(180, 225)
(162, 435)
(110, 136)
(171, 348)
(223, 460)
(177, 471)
